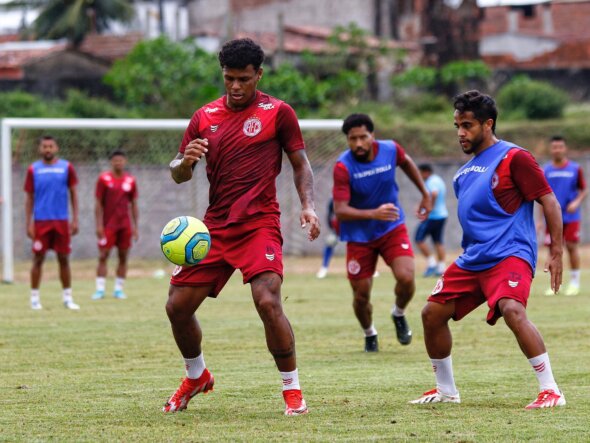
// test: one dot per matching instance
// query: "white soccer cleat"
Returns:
(547, 399)
(572, 290)
(322, 272)
(36, 305)
(71, 305)
(435, 396)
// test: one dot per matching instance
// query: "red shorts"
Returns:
(121, 238)
(511, 278)
(252, 248)
(361, 258)
(571, 233)
(52, 234)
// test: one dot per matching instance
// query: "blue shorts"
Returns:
(434, 228)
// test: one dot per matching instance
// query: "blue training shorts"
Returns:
(434, 228)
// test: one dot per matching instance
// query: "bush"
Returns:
(23, 104)
(531, 99)
(420, 104)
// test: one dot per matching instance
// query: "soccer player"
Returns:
(242, 135)
(47, 185)
(372, 221)
(434, 225)
(566, 178)
(116, 216)
(331, 241)
(496, 191)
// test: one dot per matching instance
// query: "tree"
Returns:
(73, 19)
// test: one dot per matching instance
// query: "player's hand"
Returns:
(31, 231)
(74, 227)
(424, 208)
(572, 207)
(195, 149)
(308, 216)
(386, 212)
(554, 266)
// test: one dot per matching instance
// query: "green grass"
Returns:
(103, 373)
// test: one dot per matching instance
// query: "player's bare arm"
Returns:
(576, 202)
(135, 219)
(183, 164)
(385, 212)
(98, 216)
(411, 170)
(303, 178)
(552, 213)
(29, 216)
(74, 199)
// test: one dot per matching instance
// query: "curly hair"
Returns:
(482, 105)
(357, 120)
(239, 53)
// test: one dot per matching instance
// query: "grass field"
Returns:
(103, 373)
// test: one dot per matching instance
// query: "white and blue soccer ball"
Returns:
(185, 241)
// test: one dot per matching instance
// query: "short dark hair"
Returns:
(239, 53)
(426, 167)
(482, 105)
(558, 138)
(357, 120)
(117, 152)
(46, 137)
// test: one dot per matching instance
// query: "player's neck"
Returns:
(117, 174)
(238, 108)
(50, 162)
(488, 143)
(560, 163)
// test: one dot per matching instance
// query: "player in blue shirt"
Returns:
(434, 225)
(48, 184)
(566, 178)
(372, 221)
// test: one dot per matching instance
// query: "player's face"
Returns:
(48, 149)
(473, 135)
(558, 151)
(360, 142)
(118, 163)
(240, 85)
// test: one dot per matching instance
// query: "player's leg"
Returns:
(532, 345)
(405, 287)
(65, 276)
(331, 242)
(101, 272)
(121, 273)
(421, 233)
(266, 293)
(183, 301)
(574, 257)
(439, 247)
(36, 273)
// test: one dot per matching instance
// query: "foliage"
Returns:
(424, 103)
(531, 99)
(173, 79)
(80, 105)
(291, 85)
(460, 72)
(23, 104)
(423, 77)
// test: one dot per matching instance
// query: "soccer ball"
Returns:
(185, 241)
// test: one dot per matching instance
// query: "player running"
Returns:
(242, 135)
(496, 191)
(372, 221)
(116, 216)
(47, 185)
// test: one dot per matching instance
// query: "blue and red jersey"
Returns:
(49, 184)
(566, 181)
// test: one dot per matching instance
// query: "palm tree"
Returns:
(74, 19)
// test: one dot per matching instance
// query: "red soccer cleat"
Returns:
(294, 402)
(187, 390)
(547, 399)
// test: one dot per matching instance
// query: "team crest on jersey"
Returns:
(495, 180)
(252, 126)
(438, 287)
(37, 245)
(354, 267)
(126, 186)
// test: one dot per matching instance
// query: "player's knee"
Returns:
(431, 315)
(268, 306)
(63, 259)
(512, 311)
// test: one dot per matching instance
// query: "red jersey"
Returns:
(518, 178)
(341, 190)
(244, 155)
(115, 194)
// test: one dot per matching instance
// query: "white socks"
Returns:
(67, 295)
(290, 380)
(370, 331)
(35, 296)
(441, 267)
(119, 282)
(443, 371)
(575, 278)
(396, 311)
(542, 368)
(431, 261)
(100, 284)
(194, 366)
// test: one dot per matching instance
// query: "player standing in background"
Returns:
(47, 185)
(566, 178)
(372, 221)
(242, 135)
(496, 191)
(116, 200)
(434, 225)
